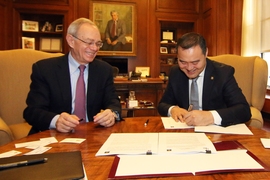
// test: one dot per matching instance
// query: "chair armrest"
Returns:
(256, 119)
(5, 133)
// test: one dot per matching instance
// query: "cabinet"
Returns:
(42, 32)
(168, 57)
(150, 90)
(168, 51)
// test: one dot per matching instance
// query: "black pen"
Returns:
(146, 122)
(23, 163)
(80, 120)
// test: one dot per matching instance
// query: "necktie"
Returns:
(113, 29)
(79, 109)
(194, 94)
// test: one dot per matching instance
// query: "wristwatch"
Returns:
(116, 115)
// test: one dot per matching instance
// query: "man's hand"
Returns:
(114, 42)
(66, 122)
(105, 118)
(109, 41)
(198, 118)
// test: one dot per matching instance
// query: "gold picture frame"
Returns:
(100, 15)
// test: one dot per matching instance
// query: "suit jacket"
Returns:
(120, 30)
(220, 93)
(50, 91)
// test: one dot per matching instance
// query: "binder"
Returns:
(62, 165)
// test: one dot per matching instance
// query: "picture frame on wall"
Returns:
(28, 43)
(125, 29)
(30, 26)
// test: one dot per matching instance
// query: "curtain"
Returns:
(251, 28)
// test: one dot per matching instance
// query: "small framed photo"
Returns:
(173, 50)
(51, 44)
(163, 50)
(59, 28)
(144, 70)
(30, 26)
(28, 43)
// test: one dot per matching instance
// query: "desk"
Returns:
(99, 167)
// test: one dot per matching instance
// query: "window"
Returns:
(266, 57)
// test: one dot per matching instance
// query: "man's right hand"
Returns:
(178, 113)
(66, 122)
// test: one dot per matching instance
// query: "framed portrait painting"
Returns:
(116, 22)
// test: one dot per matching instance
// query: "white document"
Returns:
(170, 123)
(185, 163)
(155, 143)
(129, 143)
(171, 143)
(233, 129)
(265, 142)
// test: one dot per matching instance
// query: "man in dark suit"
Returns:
(115, 33)
(52, 96)
(221, 101)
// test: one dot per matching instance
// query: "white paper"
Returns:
(39, 150)
(185, 163)
(265, 142)
(155, 143)
(129, 143)
(233, 129)
(73, 140)
(170, 123)
(35, 144)
(9, 153)
(171, 143)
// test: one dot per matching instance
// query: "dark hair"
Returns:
(189, 40)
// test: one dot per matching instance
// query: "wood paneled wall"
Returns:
(218, 20)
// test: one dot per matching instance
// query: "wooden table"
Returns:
(99, 167)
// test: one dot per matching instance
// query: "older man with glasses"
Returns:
(73, 88)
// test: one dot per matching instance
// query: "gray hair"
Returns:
(75, 25)
(114, 11)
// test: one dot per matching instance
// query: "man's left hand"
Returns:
(105, 118)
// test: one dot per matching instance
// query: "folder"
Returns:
(63, 165)
(142, 166)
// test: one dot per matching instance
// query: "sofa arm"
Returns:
(5, 133)
(256, 119)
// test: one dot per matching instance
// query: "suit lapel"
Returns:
(62, 72)
(209, 78)
(92, 82)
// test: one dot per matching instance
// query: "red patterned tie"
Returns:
(79, 109)
(113, 30)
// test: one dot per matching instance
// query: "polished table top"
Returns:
(99, 167)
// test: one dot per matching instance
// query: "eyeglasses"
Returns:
(98, 44)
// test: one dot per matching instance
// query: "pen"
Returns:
(146, 122)
(190, 107)
(80, 120)
(23, 163)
